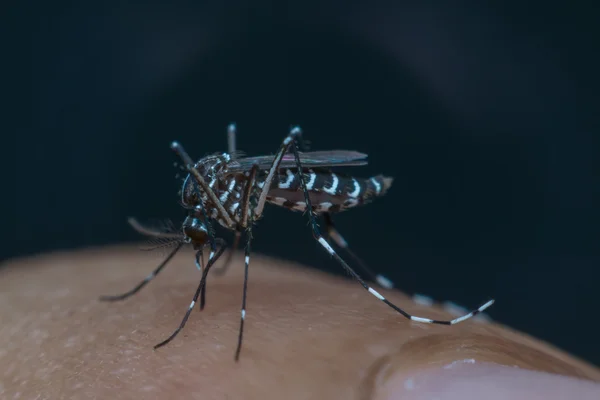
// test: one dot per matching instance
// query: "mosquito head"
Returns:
(195, 232)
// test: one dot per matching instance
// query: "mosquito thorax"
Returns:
(210, 167)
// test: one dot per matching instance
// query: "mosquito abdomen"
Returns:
(329, 191)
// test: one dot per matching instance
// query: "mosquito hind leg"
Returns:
(231, 140)
(143, 283)
(323, 242)
(335, 235)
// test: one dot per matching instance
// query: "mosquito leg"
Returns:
(294, 133)
(154, 232)
(334, 234)
(245, 208)
(209, 264)
(200, 252)
(199, 265)
(148, 278)
(340, 260)
(231, 136)
(243, 312)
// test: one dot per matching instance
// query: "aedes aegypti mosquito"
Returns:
(232, 190)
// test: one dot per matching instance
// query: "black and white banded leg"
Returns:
(143, 283)
(209, 264)
(243, 310)
(246, 214)
(335, 235)
(340, 260)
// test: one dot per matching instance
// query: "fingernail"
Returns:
(468, 379)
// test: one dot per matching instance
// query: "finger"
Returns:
(308, 334)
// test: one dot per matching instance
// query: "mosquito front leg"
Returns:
(348, 269)
(145, 281)
(153, 232)
(209, 264)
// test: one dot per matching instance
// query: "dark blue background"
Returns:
(486, 117)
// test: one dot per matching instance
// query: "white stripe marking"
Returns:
(224, 196)
(461, 319)
(234, 207)
(423, 300)
(356, 191)
(377, 185)
(300, 205)
(326, 245)
(384, 282)
(333, 189)
(486, 305)
(276, 200)
(289, 180)
(350, 203)
(325, 206)
(335, 235)
(231, 184)
(192, 304)
(247, 260)
(311, 181)
(243, 314)
(376, 294)
(419, 319)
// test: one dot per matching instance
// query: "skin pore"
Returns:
(308, 335)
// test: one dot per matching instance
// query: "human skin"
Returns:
(308, 335)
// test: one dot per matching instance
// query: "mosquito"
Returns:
(232, 190)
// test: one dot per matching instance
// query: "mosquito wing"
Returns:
(333, 158)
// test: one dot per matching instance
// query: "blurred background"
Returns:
(485, 115)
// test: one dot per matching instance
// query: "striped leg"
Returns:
(341, 242)
(200, 253)
(145, 281)
(340, 260)
(209, 264)
(243, 312)
(245, 214)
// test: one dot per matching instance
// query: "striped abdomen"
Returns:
(329, 191)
